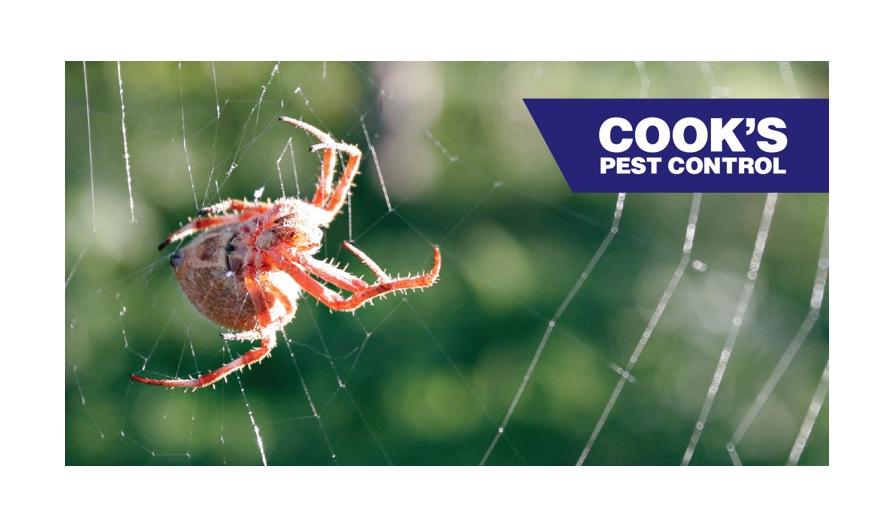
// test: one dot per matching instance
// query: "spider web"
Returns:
(638, 329)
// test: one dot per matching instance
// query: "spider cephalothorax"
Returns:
(251, 260)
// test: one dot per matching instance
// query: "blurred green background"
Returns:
(426, 379)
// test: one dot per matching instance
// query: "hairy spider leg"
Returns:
(328, 167)
(332, 274)
(325, 197)
(237, 205)
(366, 260)
(204, 223)
(251, 334)
(335, 301)
(275, 292)
(340, 194)
(325, 183)
(341, 278)
(268, 342)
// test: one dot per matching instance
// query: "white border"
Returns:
(39, 487)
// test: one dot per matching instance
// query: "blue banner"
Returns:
(687, 145)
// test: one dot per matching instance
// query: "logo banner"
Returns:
(687, 145)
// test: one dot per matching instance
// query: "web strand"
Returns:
(89, 146)
(686, 252)
(343, 387)
(808, 423)
(217, 126)
(736, 324)
(598, 254)
(363, 124)
(255, 112)
(789, 78)
(217, 100)
(459, 374)
(127, 156)
(75, 266)
(287, 146)
(307, 392)
(645, 82)
(811, 317)
(259, 441)
(186, 151)
(77, 377)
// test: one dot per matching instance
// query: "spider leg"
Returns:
(328, 167)
(325, 183)
(237, 205)
(332, 274)
(382, 286)
(279, 295)
(204, 223)
(341, 278)
(243, 335)
(338, 196)
(366, 260)
(268, 341)
(256, 294)
(325, 197)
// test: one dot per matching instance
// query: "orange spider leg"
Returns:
(256, 294)
(328, 167)
(237, 205)
(325, 183)
(251, 334)
(382, 287)
(279, 295)
(325, 197)
(204, 223)
(268, 341)
(339, 277)
(366, 260)
(332, 274)
(340, 194)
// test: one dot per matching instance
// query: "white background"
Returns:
(38, 487)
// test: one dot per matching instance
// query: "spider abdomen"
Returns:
(205, 271)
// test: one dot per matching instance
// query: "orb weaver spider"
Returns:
(251, 260)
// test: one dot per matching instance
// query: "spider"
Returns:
(251, 261)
